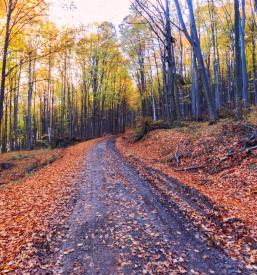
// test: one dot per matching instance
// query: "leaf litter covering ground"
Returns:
(122, 225)
(226, 175)
(17, 165)
(30, 208)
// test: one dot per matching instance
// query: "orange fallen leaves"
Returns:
(29, 207)
(23, 163)
(231, 188)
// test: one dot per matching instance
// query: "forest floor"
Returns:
(34, 205)
(219, 162)
(18, 165)
(110, 206)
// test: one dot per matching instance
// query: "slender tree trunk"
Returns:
(5, 55)
(63, 111)
(160, 92)
(180, 90)
(215, 56)
(238, 61)
(195, 89)
(10, 117)
(142, 84)
(194, 41)
(171, 79)
(164, 81)
(16, 109)
(254, 60)
(5, 129)
(229, 80)
(243, 56)
(70, 109)
(49, 118)
(30, 91)
(152, 89)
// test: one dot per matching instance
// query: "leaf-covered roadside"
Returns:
(29, 208)
(17, 165)
(198, 158)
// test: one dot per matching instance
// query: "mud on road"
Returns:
(122, 225)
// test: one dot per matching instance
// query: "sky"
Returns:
(89, 11)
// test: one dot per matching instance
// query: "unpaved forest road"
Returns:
(120, 226)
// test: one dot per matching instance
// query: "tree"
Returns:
(193, 39)
(238, 61)
(18, 14)
(243, 56)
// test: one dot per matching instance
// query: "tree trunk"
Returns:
(16, 109)
(171, 80)
(160, 92)
(49, 117)
(238, 63)
(254, 60)
(10, 117)
(229, 80)
(152, 89)
(195, 89)
(243, 56)
(5, 55)
(215, 56)
(164, 82)
(30, 91)
(194, 41)
(5, 129)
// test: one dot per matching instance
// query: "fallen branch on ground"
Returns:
(190, 168)
(177, 155)
(251, 149)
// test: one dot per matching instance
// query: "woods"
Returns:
(168, 60)
(128, 137)
(58, 84)
(207, 47)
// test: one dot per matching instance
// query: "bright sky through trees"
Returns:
(88, 11)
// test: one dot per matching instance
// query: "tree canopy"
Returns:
(168, 60)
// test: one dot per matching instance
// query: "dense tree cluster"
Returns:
(170, 60)
(196, 59)
(58, 84)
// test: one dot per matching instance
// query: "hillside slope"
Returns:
(219, 161)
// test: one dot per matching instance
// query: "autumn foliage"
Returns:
(218, 161)
(29, 207)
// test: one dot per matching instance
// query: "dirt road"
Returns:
(122, 225)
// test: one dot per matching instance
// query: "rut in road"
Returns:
(120, 226)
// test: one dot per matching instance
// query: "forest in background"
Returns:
(170, 60)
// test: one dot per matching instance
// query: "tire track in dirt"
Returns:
(122, 225)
